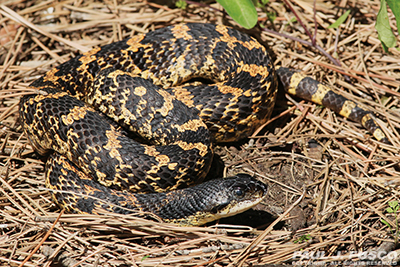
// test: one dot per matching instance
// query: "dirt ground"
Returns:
(329, 181)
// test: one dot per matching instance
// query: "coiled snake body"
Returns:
(149, 87)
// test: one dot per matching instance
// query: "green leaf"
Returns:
(145, 257)
(395, 7)
(181, 4)
(385, 222)
(302, 238)
(382, 25)
(242, 11)
(293, 20)
(393, 203)
(390, 210)
(340, 20)
(261, 3)
(271, 16)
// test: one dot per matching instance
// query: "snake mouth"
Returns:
(260, 189)
(239, 206)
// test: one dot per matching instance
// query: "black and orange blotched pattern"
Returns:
(151, 87)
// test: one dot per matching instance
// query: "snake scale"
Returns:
(130, 126)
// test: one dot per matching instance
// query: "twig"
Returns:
(239, 260)
(41, 242)
(337, 63)
(301, 22)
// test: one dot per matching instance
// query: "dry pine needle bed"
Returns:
(329, 181)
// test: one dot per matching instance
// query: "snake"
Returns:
(130, 127)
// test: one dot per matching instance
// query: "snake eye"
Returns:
(238, 191)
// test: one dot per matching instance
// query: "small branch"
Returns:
(300, 21)
(239, 260)
(314, 38)
(41, 242)
(337, 63)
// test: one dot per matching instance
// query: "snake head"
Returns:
(206, 202)
(237, 194)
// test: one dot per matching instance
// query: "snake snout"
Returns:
(261, 188)
(248, 188)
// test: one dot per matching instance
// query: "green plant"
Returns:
(145, 257)
(340, 20)
(382, 24)
(303, 238)
(393, 208)
(242, 11)
(181, 4)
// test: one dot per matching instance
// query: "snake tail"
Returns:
(309, 89)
